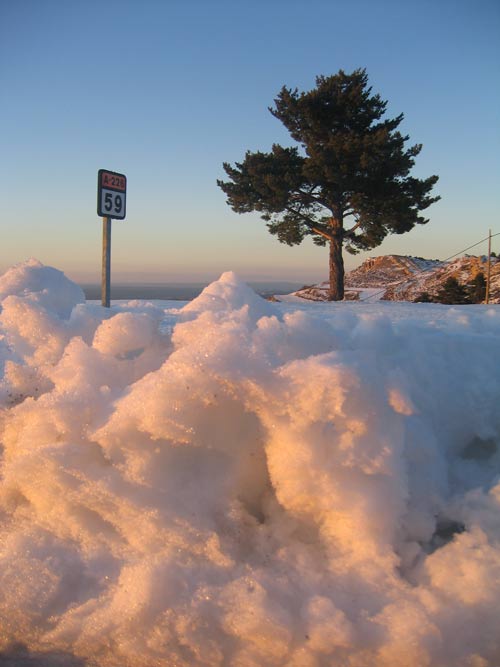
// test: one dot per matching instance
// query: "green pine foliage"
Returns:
(346, 184)
(452, 292)
(476, 290)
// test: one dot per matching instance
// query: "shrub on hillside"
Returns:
(476, 289)
(452, 292)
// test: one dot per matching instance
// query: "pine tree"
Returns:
(452, 292)
(347, 184)
(476, 290)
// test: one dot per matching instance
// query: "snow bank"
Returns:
(258, 486)
(43, 286)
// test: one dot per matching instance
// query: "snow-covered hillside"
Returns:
(402, 278)
(238, 483)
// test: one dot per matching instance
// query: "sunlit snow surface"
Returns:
(239, 483)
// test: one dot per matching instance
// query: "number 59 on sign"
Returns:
(111, 194)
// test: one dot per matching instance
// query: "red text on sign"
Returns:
(109, 180)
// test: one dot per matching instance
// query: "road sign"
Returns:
(111, 201)
(111, 194)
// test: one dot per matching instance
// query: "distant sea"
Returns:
(179, 291)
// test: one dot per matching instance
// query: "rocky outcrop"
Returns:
(404, 278)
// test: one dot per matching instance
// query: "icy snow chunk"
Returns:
(127, 335)
(227, 294)
(41, 285)
(34, 333)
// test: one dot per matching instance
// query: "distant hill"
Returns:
(402, 278)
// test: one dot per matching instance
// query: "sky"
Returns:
(165, 92)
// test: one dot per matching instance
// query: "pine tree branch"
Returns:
(356, 226)
(311, 224)
(312, 197)
(321, 233)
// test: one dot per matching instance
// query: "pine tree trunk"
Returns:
(336, 291)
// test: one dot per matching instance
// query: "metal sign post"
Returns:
(106, 262)
(111, 203)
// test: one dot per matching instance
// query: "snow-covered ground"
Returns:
(238, 483)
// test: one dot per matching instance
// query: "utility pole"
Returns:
(488, 269)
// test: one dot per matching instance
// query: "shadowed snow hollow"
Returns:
(261, 486)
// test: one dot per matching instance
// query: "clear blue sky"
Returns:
(166, 91)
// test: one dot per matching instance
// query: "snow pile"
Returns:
(259, 486)
(41, 285)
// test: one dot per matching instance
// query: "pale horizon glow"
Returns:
(165, 92)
